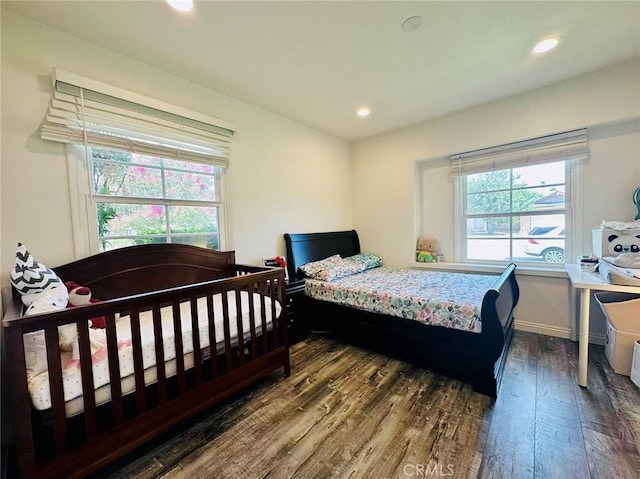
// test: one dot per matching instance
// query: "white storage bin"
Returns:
(635, 365)
(622, 311)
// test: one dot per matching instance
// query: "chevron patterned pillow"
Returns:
(30, 277)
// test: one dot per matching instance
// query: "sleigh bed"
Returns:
(428, 332)
(185, 328)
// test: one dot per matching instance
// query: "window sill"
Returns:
(489, 268)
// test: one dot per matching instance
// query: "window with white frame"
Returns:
(516, 202)
(148, 171)
(148, 199)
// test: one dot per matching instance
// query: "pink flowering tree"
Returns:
(151, 180)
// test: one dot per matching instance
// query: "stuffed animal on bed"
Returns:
(81, 295)
(426, 250)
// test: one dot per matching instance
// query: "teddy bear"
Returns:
(81, 295)
(426, 250)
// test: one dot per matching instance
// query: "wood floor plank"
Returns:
(458, 448)
(610, 431)
(610, 457)
(594, 403)
(524, 347)
(263, 438)
(510, 448)
(375, 416)
(559, 445)
(409, 445)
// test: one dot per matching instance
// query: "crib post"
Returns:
(20, 400)
(284, 324)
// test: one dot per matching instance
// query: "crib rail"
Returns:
(75, 446)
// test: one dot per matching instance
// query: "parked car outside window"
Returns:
(546, 242)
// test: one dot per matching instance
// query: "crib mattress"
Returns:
(451, 300)
(72, 380)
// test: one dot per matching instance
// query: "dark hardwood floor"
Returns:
(349, 413)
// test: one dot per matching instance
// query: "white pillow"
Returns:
(30, 277)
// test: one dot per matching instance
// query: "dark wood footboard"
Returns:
(74, 446)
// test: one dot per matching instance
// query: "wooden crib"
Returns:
(149, 287)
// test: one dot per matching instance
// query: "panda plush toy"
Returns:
(619, 244)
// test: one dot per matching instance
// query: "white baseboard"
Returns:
(555, 331)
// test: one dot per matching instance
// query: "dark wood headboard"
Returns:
(306, 247)
(144, 268)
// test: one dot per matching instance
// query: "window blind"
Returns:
(571, 145)
(82, 115)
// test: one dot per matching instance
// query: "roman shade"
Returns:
(84, 111)
(570, 145)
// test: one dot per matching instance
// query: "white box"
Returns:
(635, 364)
(623, 328)
(606, 241)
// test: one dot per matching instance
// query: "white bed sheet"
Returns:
(72, 380)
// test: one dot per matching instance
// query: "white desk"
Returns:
(585, 282)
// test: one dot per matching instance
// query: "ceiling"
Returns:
(318, 62)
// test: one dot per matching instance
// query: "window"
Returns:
(144, 199)
(140, 170)
(516, 214)
(515, 202)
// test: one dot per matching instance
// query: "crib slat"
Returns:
(195, 332)
(239, 322)
(56, 389)
(138, 367)
(227, 332)
(159, 347)
(20, 400)
(274, 325)
(86, 372)
(283, 322)
(177, 333)
(252, 321)
(263, 318)
(213, 350)
(114, 369)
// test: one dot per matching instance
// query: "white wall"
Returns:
(387, 170)
(285, 177)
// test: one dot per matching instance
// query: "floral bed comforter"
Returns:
(451, 300)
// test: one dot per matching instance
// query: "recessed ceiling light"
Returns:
(546, 45)
(411, 24)
(181, 5)
(362, 112)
